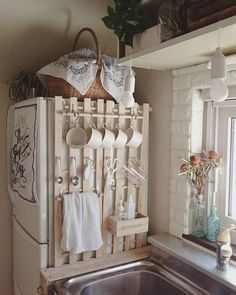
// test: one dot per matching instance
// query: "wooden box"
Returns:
(128, 227)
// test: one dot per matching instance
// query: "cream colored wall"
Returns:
(155, 87)
(32, 34)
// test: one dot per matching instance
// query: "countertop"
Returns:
(199, 259)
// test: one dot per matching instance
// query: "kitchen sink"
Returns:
(143, 277)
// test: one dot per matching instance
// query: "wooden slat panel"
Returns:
(57, 205)
(119, 194)
(72, 157)
(53, 274)
(141, 239)
(99, 168)
(87, 109)
(131, 190)
(99, 156)
(107, 192)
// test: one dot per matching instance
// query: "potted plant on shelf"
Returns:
(25, 85)
(127, 19)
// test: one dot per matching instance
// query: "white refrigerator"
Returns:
(30, 171)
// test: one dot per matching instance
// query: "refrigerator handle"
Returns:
(10, 122)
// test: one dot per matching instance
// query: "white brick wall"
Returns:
(186, 130)
(181, 111)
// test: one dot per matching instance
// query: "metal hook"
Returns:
(90, 118)
(76, 120)
(61, 192)
(74, 111)
(133, 118)
(135, 110)
(91, 124)
(89, 160)
(89, 168)
(104, 125)
(118, 122)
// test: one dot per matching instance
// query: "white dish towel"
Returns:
(81, 223)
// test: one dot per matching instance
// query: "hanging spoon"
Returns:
(59, 178)
(75, 179)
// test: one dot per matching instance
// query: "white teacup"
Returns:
(120, 138)
(108, 138)
(94, 138)
(134, 138)
(76, 137)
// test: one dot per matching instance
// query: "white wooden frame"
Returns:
(101, 112)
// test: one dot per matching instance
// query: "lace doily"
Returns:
(79, 69)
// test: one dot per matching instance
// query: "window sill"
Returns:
(195, 256)
(207, 244)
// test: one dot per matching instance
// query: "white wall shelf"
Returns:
(189, 49)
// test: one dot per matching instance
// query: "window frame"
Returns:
(216, 138)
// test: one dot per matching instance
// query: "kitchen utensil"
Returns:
(120, 138)
(108, 138)
(94, 137)
(112, 166)
(134, 138)
(88, 168)
(76, 137)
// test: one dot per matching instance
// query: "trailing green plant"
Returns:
(127, 19)
(25, 85)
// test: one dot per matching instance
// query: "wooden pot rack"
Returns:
(109, 113)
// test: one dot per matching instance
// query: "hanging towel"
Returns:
(81, 223)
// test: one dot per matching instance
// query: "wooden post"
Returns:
(57, 186)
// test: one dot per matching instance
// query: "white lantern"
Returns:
(219, 90)
(128, 98)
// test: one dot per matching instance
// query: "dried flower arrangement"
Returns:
(197, 170)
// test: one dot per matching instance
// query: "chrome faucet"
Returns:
(224, 250)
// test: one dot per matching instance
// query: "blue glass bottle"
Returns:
(213, 225)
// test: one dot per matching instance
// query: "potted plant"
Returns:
(126, 19)
(25, 85)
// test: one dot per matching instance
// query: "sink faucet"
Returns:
(224, 250)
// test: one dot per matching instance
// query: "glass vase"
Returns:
(213, 225)
(198, 218)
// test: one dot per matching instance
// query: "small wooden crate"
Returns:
(128, 227)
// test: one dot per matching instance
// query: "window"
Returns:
(232, 169)
(221, 136)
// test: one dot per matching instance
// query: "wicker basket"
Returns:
(59, 87)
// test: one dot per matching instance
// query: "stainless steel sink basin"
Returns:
(138, 278)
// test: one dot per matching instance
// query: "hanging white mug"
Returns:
(108, 138)
(134, 138)
(94, 137)
(120, 138)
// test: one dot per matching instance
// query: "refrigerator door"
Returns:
(10, 125)
(29, 258)
(28, 166)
